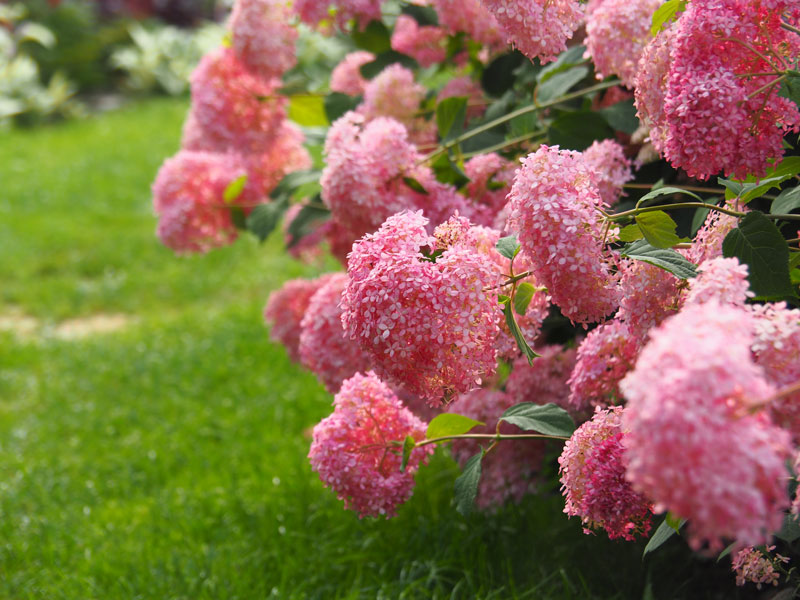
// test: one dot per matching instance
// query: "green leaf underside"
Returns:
(658, 229)
(287, 186)
(661, 535)
(665, 191)
(566, 60)
(306, 221)
(786, 202)
(547, 419)
(234, 189)
(622, 116)
(466, 486)
(790, 529)
(758, 243)
(264, 218)
(508, 246)
(516, 332)
(664, 258)
(415, 185)
(577, 130)
(666, 12)
(450, 116)
(375, 37)
(560, 83)
(523, 297)
(423, 15)
(790, 87)
(336, 104)
(383, 60)
(448, 424)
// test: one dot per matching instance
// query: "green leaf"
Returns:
(699, 218)
(508, 246)
(408, 445)
(307, 220)
(234, 189)
(293, 181)
(447, 424)
(664, 258)
(516, 332)
(666, 12)
(263, 219)
(750, 190)
(790, 529)
(375, 37)
(565, 61)
(499, 76)
(786, 202)
(758, 243)
(577, 130)
(238, 218)
(790, 87)
(661, 535)
(466, 487)
(630, 233)
(337, 104)
(665, 191)
(451, 114)
(523, 297)
(674, 521)
(560, 83)
(423, 15)
(308, 110)
(794, 260)
(383, 60)
(727, 551)
(621, 116)
(547, 419)
(658, 229)
(415, 185)
(447, 171)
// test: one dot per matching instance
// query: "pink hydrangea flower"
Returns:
(427, 44)
(285, 310)
(690, 407)
(650, 85)
(354, 448)
(314, 12)
(776, 347)
(554, 206)
(616, 34)
(539, 29)
(707, 243)
(545, 381)
(612, 169)
(363, 181)
(756, 566)
(262, 37)
(649, 295)
(232, 109)
(427, 326)
(188, 197)
(721, 279)
(605, 356)
(284, 155)
(472, 18)
(509, 471)
(592, 468)
(346, 77)
(324, 349)
(487, 174)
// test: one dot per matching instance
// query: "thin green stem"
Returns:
(490, 436)
(637, 211)
(518, 113)
(688, 188)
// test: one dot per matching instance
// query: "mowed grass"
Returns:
(168, 459)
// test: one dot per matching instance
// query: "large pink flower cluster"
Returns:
(538, 28)
(428, 326)
(490, 181)
(612, 169)
(554, 206)
(720, 279)
(286, 308)
(649, 295)
(346, 77)
(720, 109)
(324, 349)
(363, 181)
(694, 445)
(707, 243)
(470, 17)
(545, 381)
(509, 471)
(605, 356)
(262, 37)
(616, 33)
(354, 448)
(425, 43)
(592, 467)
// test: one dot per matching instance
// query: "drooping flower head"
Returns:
(509, 471)
(592, 467)
(425, 43)
(324, 349)
(262, 37)
(346, 77)
(355, 452)
(691, 399)
(554, 206)
(427, 326)
(538, 28)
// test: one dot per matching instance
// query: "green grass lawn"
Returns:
(167, 459)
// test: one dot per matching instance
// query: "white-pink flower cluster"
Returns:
(262, 36)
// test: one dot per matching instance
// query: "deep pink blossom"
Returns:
(354, 448)
(592, 468)
(262, 37)
(695, 446)
(509, 471)
(554, 206)
(346, 77)
(650, 85)
(427, 326)
(612, 169)
(324, 349)
(537, 28)
(425, 43)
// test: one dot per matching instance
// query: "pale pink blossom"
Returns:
(346, 77)
(356, 449)
(721, 279)
(707, 243)
(612, 169)
(649, 295)
(491, 177)
(262, 37)
(472, 18)
(315, 12)
(425, 43)
(757, 566)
